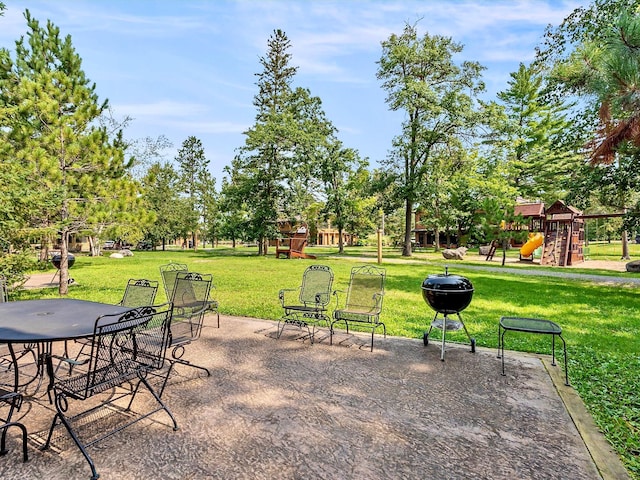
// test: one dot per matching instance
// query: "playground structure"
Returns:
(563, 236)
(534, 242)
(559, 230)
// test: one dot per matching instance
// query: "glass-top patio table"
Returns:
(42, 322)
(533, 325)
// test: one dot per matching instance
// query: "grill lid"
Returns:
(447, 293)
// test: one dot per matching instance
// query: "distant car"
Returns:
(109, 245)
(144, 246)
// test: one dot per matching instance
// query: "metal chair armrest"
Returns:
(284, 293)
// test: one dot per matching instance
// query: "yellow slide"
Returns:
(535, 240)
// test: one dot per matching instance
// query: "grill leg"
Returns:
(444, 329)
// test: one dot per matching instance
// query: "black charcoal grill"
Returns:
(447, 295)
(57, 259)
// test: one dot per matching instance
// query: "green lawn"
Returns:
(601, 323)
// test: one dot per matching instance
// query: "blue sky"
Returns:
(182, 68)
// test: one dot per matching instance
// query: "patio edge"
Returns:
(604, 456)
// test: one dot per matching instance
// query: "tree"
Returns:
(262, 163)
(193, 174)
(49, 110)
(210, 209)
(532, 137)
(162, 197)
(437, 95)
(605, 71)
(234, 211)
(337, 172)
(289, 130)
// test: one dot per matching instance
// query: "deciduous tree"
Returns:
(437, 96)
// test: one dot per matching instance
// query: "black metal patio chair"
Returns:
(363, 302)
(14, 401)
(138, 293)
(190, 298)
(306, 306)
(170, 271)
(124, 350)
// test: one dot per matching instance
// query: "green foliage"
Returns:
(437, 95)
(161, 196)
(604, 71)
(54, 145)
(345, 180)
(281, 149)
(195, 182)
(531, 138)
(13, 267)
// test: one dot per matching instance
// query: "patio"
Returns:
(284, 409)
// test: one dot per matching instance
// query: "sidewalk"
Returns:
(284, 409)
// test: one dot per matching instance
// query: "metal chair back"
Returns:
(168, 273)
(190, 301)
(366, 290)
(123, 347)
(139, 293)
(317, 282)
(363, 303)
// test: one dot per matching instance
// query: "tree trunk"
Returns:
(625, 246)
(408, 211)
(504, 252)
(340, 241)
(436, 241)
(63, 287)
(45, 243)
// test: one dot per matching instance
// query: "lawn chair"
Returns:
(363, 303)
(125, 348)
(169, 273)
(190, 303)
(293, 247)
(309, 306)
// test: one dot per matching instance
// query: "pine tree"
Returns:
(49, 110)
(279, 148)
(532, 138)
(193, 164)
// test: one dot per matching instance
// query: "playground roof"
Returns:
(530, 209)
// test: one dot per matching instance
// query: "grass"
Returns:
(601, 322)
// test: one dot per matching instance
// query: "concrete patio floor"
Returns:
(285, 409)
